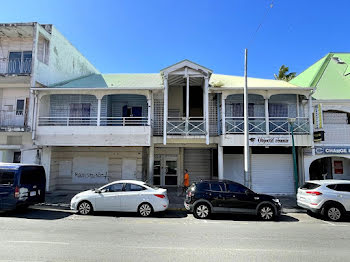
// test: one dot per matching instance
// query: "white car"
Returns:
(330, 198)
(122, 196)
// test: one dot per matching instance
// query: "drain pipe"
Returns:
(35, 110)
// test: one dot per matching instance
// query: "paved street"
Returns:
(57, 235)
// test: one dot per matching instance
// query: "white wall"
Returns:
(62, 164)
(65, 62)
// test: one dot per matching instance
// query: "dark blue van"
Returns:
(21, 185)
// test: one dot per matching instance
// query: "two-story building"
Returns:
(31, 55)
(330, 76)
(104, 127)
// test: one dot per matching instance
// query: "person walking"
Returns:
(186, 182)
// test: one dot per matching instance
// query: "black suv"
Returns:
(224, 196)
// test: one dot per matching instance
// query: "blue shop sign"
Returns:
(329, 150)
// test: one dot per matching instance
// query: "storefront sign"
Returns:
(270, 140)
(329, 150)
(318, 117)
(90, 170)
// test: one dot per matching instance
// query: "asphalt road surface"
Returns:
(55, 235)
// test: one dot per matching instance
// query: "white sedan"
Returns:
(122, 196)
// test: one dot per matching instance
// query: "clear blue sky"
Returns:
(147, 35)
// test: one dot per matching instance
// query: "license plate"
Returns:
(32, 193)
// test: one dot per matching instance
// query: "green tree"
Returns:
(284, 75)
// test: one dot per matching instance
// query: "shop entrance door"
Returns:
(165, 170)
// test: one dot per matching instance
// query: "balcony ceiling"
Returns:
(16, 31)
(180, 80)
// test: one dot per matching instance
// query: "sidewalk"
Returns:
(61, 199)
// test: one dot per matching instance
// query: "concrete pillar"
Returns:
(150, 164)
(99, 111)
(267, 116)
(165, 115)
(46, 163)
(220, 162)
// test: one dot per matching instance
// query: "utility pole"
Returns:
(247, 179)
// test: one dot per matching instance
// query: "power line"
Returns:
(261, 23)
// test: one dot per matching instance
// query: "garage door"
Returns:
(233, 168)
(198, 163)
(272, 173)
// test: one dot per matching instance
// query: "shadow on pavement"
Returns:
(345, 219)
(166, 214)
(282, 218)
(37, 214)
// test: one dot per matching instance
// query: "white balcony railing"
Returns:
(15, 66)
(124, 121)
(11, 118)
(181, 126)
(235, 125)
(280, 125)
(92, 121)
(257, 125)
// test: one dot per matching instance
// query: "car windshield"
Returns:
(310, 186)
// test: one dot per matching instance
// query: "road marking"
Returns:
(37, 242)
(216, 248)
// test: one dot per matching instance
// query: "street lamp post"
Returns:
(291, 121)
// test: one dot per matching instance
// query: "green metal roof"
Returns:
(155, 81)
(330, 75)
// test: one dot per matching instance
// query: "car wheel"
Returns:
(333, 213)
(145, 210)
(201, 211)
(85, 208)
(266, 212)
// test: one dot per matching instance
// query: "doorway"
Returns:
(165, 170)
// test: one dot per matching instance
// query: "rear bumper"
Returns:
(307, 206)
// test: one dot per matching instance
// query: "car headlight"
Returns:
(276, 200)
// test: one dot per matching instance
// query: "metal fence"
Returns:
(15, 66)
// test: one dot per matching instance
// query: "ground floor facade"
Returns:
(327, 162)
(80, 168)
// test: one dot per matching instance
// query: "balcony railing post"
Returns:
(267, 116)
(99, 111)
(223, 115)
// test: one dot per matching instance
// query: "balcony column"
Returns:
(99, 99)
(223, 114)
(149, 112)
(267, 116)
(165, 115)
(187, 100)
(220, 162)
(206, 104)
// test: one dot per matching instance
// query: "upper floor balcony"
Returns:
(13, 114)
(18, 63)
(268, 118)
(112, 120)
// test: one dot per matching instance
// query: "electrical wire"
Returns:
(261, 23)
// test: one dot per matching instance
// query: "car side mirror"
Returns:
(248, 192)
(98, 191)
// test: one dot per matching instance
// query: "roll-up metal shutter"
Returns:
(198, 163)
(233, 168)
(272, 173)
